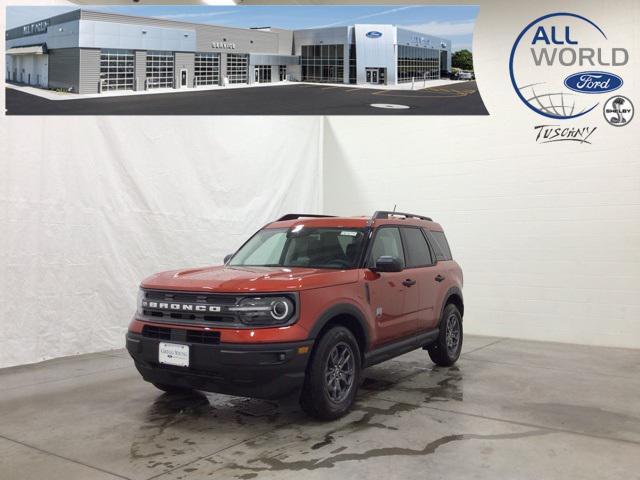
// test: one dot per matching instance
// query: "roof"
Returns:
(352, 222)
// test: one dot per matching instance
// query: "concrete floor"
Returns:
(509, 409)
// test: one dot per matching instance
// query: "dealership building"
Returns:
(91, 52)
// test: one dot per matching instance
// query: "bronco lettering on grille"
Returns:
(181, 307)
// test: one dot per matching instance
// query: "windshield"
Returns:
(338, 248)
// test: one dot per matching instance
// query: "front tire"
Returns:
(333, 375)
(446, 350)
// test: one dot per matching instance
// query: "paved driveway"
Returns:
(298, 99)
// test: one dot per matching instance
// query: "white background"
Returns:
(91, 206)
(548, 235)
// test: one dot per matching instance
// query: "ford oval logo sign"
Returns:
(374, 34)
(593, 82)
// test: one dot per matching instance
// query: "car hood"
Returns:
(248, 279)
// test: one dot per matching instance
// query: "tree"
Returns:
(462, 59)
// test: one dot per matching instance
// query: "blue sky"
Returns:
(453, 22)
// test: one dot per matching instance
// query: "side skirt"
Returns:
(400, 347)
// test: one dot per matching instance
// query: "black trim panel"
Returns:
(450, 292)
(341, 309)
(400, 347)
(255, 370)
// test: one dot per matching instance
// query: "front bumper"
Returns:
(251, 370)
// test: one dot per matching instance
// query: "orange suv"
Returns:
(302, 307)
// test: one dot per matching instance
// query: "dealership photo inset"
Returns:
(271, 60)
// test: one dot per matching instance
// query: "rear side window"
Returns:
(416, 248)
(439, 244)
(386, 243)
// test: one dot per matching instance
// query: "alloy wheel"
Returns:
(452, 334)
(339, 372)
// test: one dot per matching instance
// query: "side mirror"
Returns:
(387, 263)
(227, 258)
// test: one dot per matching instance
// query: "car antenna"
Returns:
(394, 208)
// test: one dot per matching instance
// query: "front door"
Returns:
(183, 77)
(373, 76)
(393, 300)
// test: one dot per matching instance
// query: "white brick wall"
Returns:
(548, 236)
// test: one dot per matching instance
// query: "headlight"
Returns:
(264, 310)
(140, 299)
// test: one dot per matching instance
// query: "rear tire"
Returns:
(446, 350)
(333, 375)
(171, 389)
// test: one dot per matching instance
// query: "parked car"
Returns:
(464, 75)
(302, 307)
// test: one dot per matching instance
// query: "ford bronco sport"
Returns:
(303, 306)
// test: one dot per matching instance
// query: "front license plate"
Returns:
(173, 354)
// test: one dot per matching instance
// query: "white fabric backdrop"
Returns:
(90, 206)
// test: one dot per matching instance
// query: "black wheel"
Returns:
(446, 350)
(333, 375)
(171, 389)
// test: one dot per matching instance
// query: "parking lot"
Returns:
(298, 99)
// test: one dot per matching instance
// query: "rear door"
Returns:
(444, 268)
(421, 268)
(393, 300)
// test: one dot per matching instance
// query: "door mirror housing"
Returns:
(227, 258)
(387, 263)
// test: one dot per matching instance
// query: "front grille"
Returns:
(181, 335)
(190, 298)
(204, 309)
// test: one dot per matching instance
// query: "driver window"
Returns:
(386, 243)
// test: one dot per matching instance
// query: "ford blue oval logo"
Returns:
(374, 34)
(593, 82)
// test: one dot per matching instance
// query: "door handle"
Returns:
(439, 278)
(408, 282)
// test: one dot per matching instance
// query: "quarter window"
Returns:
(440, 245)
(417, 249)
(386, 243)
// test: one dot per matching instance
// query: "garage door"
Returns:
(159, 69)
(116, 69)
(207, 69)
(237, 68)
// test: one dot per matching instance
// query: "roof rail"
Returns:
(294, 216)
(385, 214)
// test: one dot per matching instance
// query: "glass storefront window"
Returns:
(323, 63)
(263, 73)
(418, 63)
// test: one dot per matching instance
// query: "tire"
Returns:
(171, 389)
(329, 390)
(441, 353)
